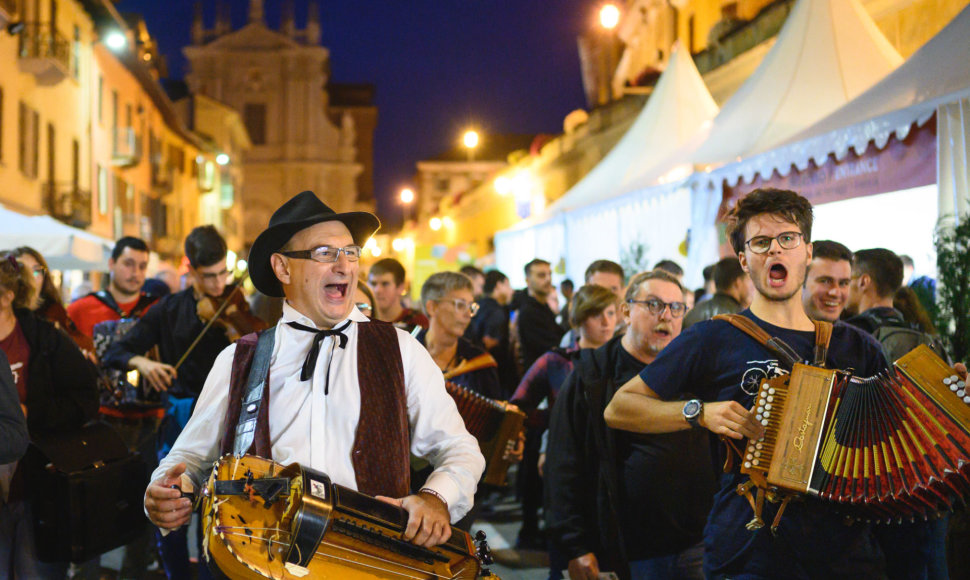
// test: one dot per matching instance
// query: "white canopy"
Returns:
(678, 107)
(64, 247)
(934, 78)
(827, 53)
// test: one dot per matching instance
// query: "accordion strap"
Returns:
(823, 334)
(786, 354)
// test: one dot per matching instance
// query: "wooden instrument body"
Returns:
(889, 447)
(495, 424)
(317, 529)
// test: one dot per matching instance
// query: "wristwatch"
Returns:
(693, 409)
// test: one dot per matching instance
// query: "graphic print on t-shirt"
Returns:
(757, 371)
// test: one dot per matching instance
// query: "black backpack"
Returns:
(898, 337)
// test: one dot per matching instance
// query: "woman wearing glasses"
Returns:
(448, 301)
(47, 301)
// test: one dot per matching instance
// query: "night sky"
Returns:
(505, 66)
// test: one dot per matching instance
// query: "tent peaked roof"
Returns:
(934, 74)
(679, 105)
(828, 52)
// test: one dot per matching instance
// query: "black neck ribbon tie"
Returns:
(311, 358)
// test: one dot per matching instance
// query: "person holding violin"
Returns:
(187, 348)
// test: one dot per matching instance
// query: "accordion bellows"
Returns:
(890, 447)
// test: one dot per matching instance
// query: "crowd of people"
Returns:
(627, 383)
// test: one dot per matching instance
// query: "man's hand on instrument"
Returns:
(730, 419)
(159, 375)
(165, 505)
(585, 567)
(515, 448)
(961, 369)
(429, 522)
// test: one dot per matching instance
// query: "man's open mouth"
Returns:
(777, 274)
(335, 291)
(662, 331)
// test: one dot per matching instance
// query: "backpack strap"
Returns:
(144, 301)
(787, 355)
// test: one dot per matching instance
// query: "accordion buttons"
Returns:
(758, 445)
(947, 380)
(747, 465)
(966, 399)
(961, 393)
(764, 422)
(953, 388)
(771, 391)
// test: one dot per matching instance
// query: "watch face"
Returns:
(692, 409)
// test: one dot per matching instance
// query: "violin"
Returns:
(230, 312)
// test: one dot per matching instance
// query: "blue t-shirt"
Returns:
(718, 362)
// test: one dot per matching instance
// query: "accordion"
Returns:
(266, 520)
(495, 424)
(115, 388)
(891, 447)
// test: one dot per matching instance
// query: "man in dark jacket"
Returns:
(631, 504)
(732, 293)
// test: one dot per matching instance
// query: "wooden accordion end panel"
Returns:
(495, 424)
(264, 520)
(890, 447)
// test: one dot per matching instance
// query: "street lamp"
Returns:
(116, 41)
(435, 223)
(470, 139)
(609, 16)
(407, 195)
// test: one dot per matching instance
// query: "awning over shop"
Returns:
(64, 247)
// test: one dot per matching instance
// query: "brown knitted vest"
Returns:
(381, 450)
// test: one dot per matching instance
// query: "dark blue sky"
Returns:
(506, 66)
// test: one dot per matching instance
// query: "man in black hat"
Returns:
(346, 395)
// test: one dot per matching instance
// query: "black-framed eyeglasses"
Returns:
(787, 241)
(657, 306)
(213, 276)
(325, 254)
(461, 305)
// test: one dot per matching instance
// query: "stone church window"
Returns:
(254, 115)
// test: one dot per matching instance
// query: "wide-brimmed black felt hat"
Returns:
(302, 211)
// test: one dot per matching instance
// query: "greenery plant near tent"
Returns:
(952, 311)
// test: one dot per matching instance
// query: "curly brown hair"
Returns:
(15, 277)
(780, 202)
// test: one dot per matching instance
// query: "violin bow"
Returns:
(208, 325)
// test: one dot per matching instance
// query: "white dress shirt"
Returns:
(317, 430)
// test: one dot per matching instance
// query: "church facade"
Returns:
(277, 81)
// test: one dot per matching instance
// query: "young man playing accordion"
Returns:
(770, 230)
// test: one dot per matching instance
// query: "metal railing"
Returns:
(68, 203)
(126, 147)
(40, 40)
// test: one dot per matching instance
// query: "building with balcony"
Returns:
(44, 155)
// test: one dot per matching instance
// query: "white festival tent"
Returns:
(933, 81)
(827, 53)
(64, 247)
(594, 219)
